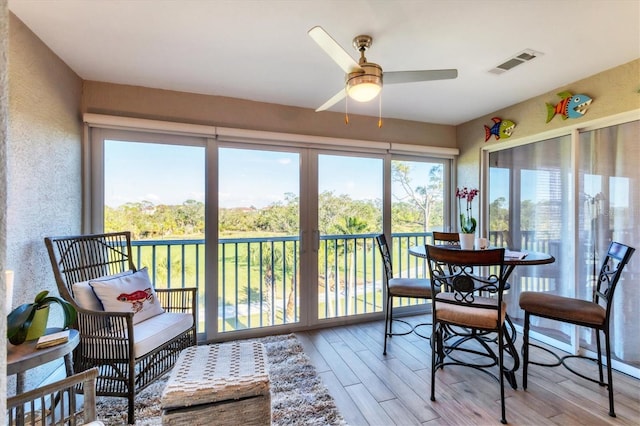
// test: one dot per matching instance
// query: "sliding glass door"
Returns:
(350, 193)
(609, 188)
(258, 238)
(265, 244)
(529, 209)
(571, 196)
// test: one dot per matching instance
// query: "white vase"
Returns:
(466, 241)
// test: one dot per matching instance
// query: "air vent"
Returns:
(515, 60)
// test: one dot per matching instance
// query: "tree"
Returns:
(498, 215)
(280, 217)
(275, 260)
(528, 215)
(421, 199)
(190, 217)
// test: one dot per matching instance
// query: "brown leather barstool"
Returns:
(594, 314)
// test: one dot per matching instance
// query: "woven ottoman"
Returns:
(218, 384)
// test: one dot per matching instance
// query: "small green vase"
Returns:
(39, 323)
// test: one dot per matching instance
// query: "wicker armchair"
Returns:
(129, 355)
(56, 403)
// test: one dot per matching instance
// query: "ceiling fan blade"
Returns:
(394, 77)
(333, 49)
(334, 100)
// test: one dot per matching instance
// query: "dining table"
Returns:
(512, 259)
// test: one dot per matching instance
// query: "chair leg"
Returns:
(501, 337)
(387, 325)
(435, 343)
(607, 343)
(599, 347)
(525, 350)
(390, 310)
(131, 412)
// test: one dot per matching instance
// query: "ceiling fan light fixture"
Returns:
(365, 85)
(363, 91)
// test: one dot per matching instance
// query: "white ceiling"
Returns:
(260, 50)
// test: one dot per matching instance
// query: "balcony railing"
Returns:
(259, 278)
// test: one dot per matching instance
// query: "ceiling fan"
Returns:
(363, 81)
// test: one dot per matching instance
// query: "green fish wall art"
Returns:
(501, 129)
(571, 106)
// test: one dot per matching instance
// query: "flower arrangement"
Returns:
(467, 221)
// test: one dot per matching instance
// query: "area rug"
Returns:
(298, 396)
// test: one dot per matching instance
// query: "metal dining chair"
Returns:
(594, 314)
(419, 288)
(465, 322)
(446, 238)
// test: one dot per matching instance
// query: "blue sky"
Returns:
(162, 174)
(171, 174)
(259, 178)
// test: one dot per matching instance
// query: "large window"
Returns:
(275, 234)
(417, 195)
(570, 197)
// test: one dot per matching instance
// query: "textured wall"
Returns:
(613, 91)
(141, 102)
(4, 110)
(44, 163)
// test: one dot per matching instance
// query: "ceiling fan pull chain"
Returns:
(346, 110)
(380, 111)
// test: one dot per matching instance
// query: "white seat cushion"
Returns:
(153, 332)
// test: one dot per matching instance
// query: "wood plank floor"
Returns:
(373, 389)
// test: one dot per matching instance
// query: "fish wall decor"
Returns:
(571, 106)
(501, 129)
